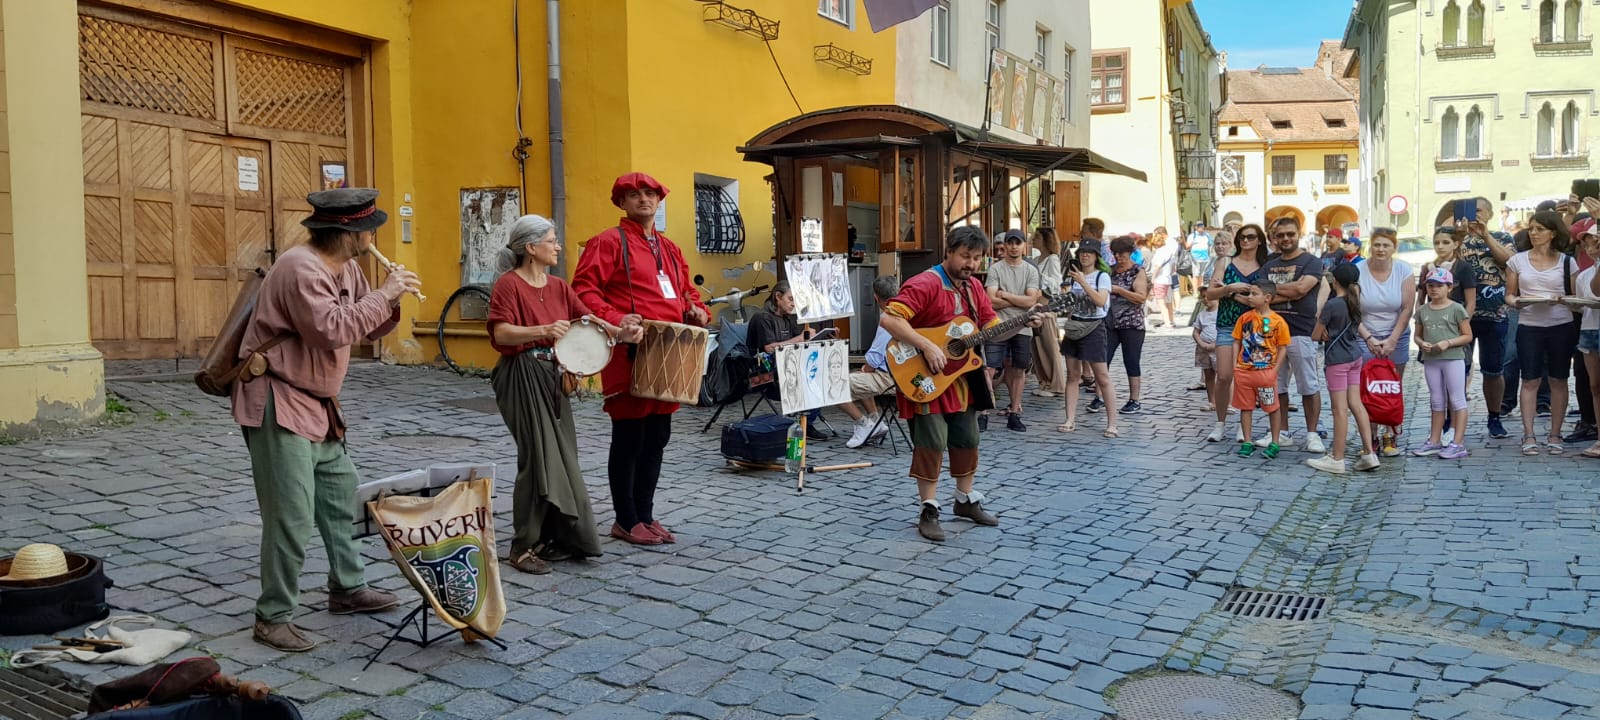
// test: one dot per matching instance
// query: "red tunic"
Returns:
(611, 292)
(516, 302)
(927, 302)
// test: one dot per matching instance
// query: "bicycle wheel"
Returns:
(461, 325)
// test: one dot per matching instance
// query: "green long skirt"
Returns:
(550, 506)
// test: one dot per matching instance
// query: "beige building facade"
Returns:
(1288, 145)
(1472, 98)
(1153, 79)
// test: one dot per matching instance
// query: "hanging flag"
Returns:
(884, 14)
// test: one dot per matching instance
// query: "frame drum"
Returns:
(585, 350)
(670, 362)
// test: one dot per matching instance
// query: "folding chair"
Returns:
(889, 417)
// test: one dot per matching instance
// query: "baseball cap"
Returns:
(1014, 235)
(1585, 226)
(1441, 276)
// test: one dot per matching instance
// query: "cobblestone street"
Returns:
(1460, 589)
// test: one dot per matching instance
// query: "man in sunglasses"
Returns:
(1298, 275)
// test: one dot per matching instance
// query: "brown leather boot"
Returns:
(974, 511)
(928, 523)
(282, 636)
(365, 600)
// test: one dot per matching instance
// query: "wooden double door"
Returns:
(198, 151)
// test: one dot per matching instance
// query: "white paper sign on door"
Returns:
(249, 174)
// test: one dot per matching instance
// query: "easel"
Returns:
(419, 617)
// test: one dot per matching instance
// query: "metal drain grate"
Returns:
(24, 698)
(1273, 606)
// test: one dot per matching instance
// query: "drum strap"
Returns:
(627, 269)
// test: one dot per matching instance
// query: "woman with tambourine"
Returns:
(530, 310)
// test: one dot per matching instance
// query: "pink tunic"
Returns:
(926, 301)
(323, 313)
(516, 302)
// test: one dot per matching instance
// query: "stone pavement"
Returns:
(1463, 589)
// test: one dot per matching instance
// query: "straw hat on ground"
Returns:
(38, 561)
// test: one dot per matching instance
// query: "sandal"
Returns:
(1111, 432)
(1530, 446)
(1066, 427)
(1554, 447)
(530, 563)
(1593, 451)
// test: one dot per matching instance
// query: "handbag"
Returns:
(1077, 329)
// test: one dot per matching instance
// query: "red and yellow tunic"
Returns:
(927, 301)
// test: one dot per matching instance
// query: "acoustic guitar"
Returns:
(962, 339)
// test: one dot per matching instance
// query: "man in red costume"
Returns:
(948, 423)
(628, 274)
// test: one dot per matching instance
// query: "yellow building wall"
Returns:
(1311, 196)
(49, 373)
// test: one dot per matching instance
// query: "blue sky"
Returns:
(1280, 33)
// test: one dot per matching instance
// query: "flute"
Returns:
(390, 266)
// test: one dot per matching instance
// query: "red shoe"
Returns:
(655, 527)
(639, 535)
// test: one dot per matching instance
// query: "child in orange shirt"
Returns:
(1259, 338)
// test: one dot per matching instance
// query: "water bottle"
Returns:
(795, 450)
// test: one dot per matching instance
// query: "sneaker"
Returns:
(1097, 405)
(928, 523)
(1314, 444)
(1270, 451)
(364, 600)
(860, 433)
(1327, 464)
(1216, 433)
(1284, 441)
(1014, 423)
(881, 430)
(1427, 448)
(1453, 452)
(1497, 430)
(1390, 447)
(1132, 407)
(1238, 435)
(1544, 411)
(1247, 449)
(815, 433)
(983, 423)
(1367, 462)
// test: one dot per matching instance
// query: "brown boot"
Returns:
(974, 511)
(928, 523)
(282, 636)
(530, 562)
(365, 600)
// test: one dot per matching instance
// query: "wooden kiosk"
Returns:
(885, 183)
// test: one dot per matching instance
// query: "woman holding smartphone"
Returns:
(1537, 282)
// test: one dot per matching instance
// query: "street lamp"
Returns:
(1189, 137)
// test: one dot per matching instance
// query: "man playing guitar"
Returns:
(948, 421)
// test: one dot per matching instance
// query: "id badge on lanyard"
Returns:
(667, 290)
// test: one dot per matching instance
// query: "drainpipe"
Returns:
(558, 173)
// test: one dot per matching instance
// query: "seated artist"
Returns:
(776, 326)
(873, 379)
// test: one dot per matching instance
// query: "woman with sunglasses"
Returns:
(1537, 281)
(1236, 275)
(1388, 297)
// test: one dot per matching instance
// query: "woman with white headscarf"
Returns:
(529, 310)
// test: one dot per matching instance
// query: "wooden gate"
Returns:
(199, 148)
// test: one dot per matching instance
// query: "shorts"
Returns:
(1017, 348)
(1589, 341)
(1546, 351)
(1224, 337)
(1245, 384)
(1205, 359)
(1402, 349)
(865, 385)
(1159, 292)
(1300, 361)
(1090, 348)
(1343, 376)
(1490, 337)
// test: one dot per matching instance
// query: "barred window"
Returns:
(718, 227)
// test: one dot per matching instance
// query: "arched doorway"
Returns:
(1335, 216)
(1286, 211)
(1232, 218)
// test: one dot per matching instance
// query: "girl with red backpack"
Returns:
(1338, 326)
